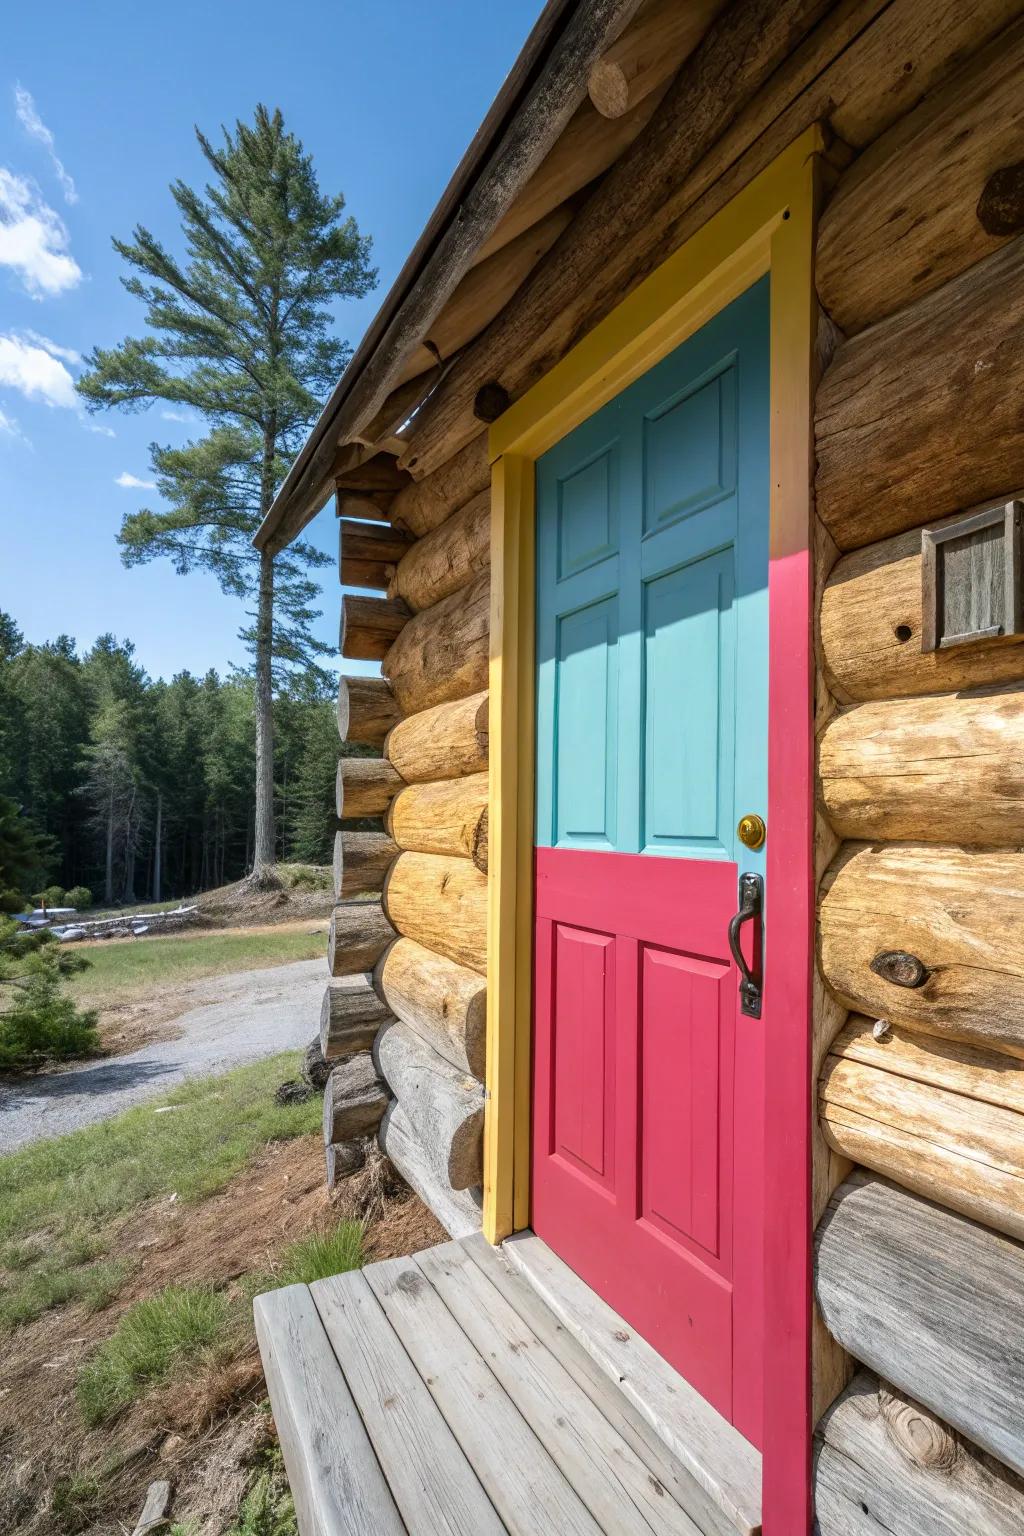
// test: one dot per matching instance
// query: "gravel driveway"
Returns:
(251, 1014)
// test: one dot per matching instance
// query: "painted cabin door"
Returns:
(652, 568)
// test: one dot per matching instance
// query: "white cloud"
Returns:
(182, 416)
(33, 240)
(10, 428)
(34, 126)
(66, 354)
(134, 483)
(94, 426)
(35, 373)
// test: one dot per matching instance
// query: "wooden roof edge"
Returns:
(290, 512)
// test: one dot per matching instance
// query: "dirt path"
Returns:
(242, 1017)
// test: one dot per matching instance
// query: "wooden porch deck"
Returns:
(470, 1391)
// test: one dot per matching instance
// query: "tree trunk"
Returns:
(264, 851)
(108, 879)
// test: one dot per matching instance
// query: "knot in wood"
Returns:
(492, 400)
(1000, 207)
(922, 1439)
(901, 968)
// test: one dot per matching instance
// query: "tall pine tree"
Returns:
(239, 334)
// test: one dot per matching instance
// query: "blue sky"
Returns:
(97, 106)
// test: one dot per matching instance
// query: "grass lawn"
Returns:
(122, 967)
(60, 1200)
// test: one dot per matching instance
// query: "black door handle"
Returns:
(751, 903)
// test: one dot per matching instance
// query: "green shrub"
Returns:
(315, 1258)
(53, 896)
(41, 1023)
(152, 1338)
(79, 897)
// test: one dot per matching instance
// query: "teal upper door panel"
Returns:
(652, 572)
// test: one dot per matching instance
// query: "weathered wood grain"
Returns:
(446, 559)
(871, 626)
(426, 503)
(449, 817)
(358, 936)
(361, 862)
(959, 913)
(370, 626)
(931, 1301)
(899, 446)
(946, 769)
(885, 1464)
(458, 1210)
(442, 903)
(884, 1104)
(369, 553)
(334, 1475)
(364, 786)
(430, 1478)
(350, 1016)
(442, 742)
(366, 709)
(445, 1107)
(354, 1100)
(442, 653)
(445, 1003)
(648, 53)
(885, 238)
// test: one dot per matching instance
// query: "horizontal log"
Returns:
(485, 289)
(354, 1100)
(366, 709)
(365, 786)
(648, 53)
(344, 1159)
(588, 145)
(370, 626)
(442, 903)
(364, 504)
(449, 816)
(445, 1003)
(445, 1107)
(885, 238)
(361, 861)
(443, 652)
(359, 935)
(426, 503)
(898, 446)
(748, 91)
(448, 558)
(443, 742)
(931, 1301)
(883, 1464)
(350, 1016)
(932, 938)
(941, 769)
(458, 1211)
(379, 475)
(368, 553)
(885, 1104)
(871, 629)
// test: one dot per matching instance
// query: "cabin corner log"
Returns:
(884, 1463)
(449, 817)
(443, 652)
(350, 1016)
(942, 1118)
(369, 553)
(445, 1107)
(446, 559)
(443, 1002)
(931, 1302)
(425, 504)
(928, 937)
(871, 623)
(899, 445)
(940, 769)
(648, 53)
(442, 742)
(458, 1211)
(365, 786)
(358, 936)
(354, 1100)
(370, 626)
(361, 861)
(366, 710)
(442, 903)
(885, 238)
(343, 1159)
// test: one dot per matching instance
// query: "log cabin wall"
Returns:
(919, 1028)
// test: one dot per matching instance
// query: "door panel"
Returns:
(652, 558)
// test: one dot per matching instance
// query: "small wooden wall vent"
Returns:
(971, 575)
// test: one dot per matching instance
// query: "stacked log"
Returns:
(354, 1101)
(442, 903)
(442, 653)
(441, 743)
(449, 816)
(443, 1002)
(366, 710)
(361, 861)
(365, 786)
(444, 1106)
(369, 553)
(359, 934)
(350, 1017)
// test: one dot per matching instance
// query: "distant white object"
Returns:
(69, 934)
(138, 929)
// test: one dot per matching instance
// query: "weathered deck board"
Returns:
(527, 1489)
(442, 1395)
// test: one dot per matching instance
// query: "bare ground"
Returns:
(202, 1432)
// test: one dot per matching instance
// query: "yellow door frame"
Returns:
(768, 227)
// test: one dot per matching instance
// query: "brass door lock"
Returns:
(751, 831)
